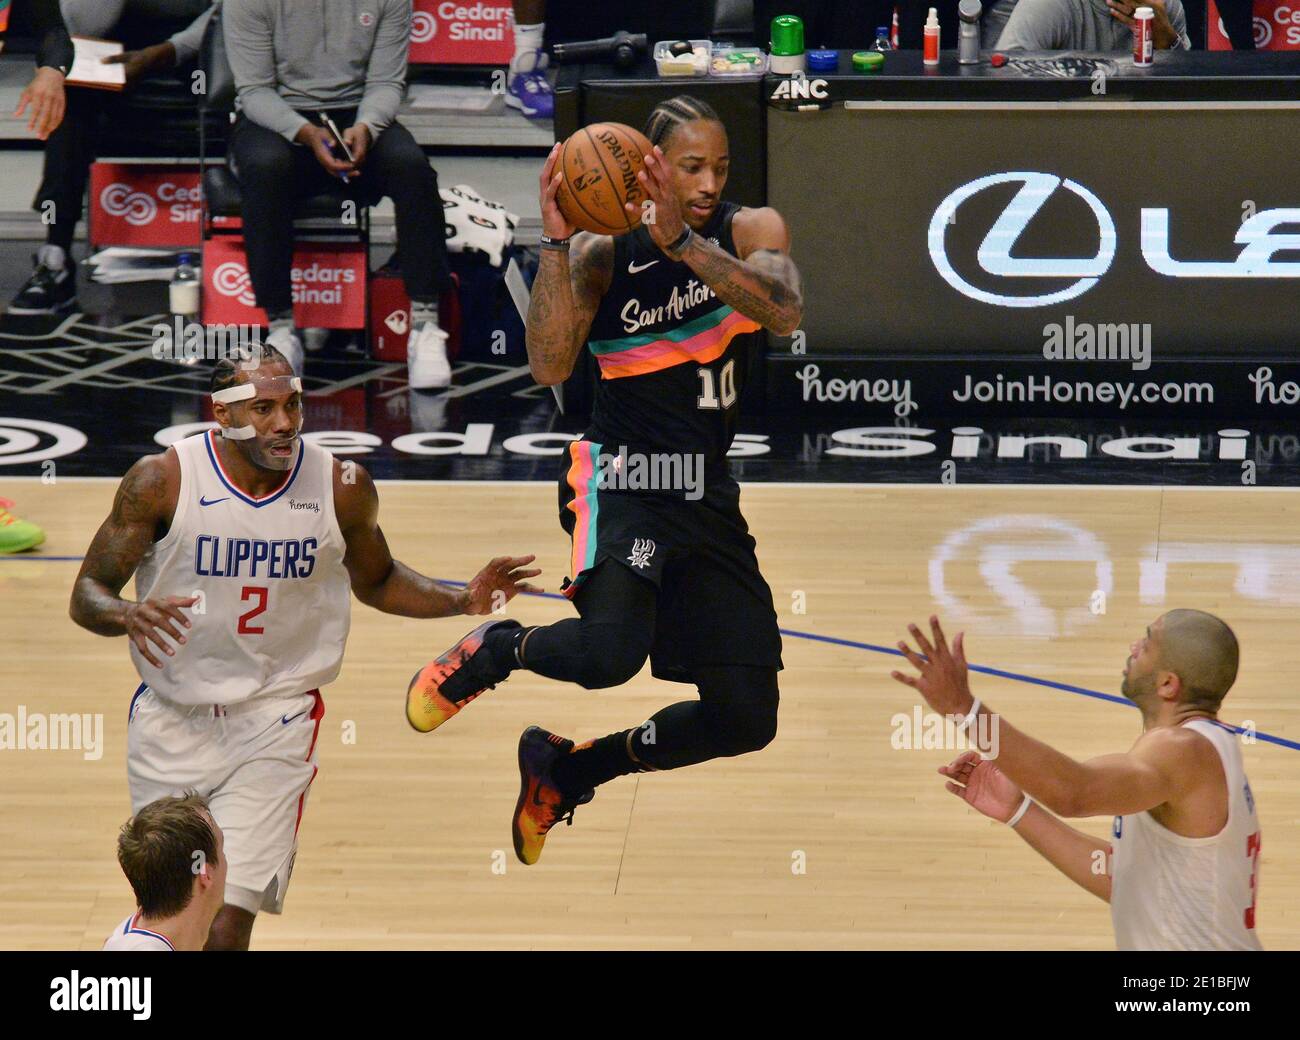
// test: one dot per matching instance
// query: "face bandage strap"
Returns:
(275, 386)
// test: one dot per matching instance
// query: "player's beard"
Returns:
(1137, 688)
(259, 454)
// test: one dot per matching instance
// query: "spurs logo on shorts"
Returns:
(642, 550)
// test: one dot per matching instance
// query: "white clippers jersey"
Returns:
(129, 936)
(275, 595)
(1169, 892)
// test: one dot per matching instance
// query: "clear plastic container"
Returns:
(694, 64)
(183, 291)
(737, 61)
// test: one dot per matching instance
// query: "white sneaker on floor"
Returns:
(285, 339)
(427, 366)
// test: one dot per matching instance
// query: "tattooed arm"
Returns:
(567, 289)
(566, 294)
(763, 282)
(145, 503)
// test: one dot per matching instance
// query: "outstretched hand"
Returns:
(498, 583)
(943, 680)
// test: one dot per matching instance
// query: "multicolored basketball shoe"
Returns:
(441, 688)
(17, 535)
(541, 803)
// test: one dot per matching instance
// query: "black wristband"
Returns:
(561, 244)
(674, 247)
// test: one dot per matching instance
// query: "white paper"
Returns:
(88, 68)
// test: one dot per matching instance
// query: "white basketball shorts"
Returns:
(252, 761)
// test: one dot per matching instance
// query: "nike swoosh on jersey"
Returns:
(204, 502)
(285, 719)
(634, 268)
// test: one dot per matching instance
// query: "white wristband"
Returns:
(971, 715)
(1024, 808)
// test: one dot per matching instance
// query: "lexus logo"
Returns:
(231, 279)
(118, 200)
(423, 27)
(994, 253)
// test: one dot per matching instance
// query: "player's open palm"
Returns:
(982, 786)
(944, 679)
(499, 582)
(160, 622)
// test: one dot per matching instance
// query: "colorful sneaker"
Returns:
(441, 688)
(17, 535)
(527, 87)
(541, 804)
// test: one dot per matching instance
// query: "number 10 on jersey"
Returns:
(726, 384)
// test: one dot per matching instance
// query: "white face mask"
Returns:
(258, 386)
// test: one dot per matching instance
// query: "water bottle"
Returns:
(183, 291)
(882, 39)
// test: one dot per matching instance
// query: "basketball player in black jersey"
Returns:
(663, 563)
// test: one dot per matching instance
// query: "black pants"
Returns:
(74, 145)
(737, 707)
(273, 174)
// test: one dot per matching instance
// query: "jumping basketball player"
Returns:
(660, 572)
(244, 545)
(171, 852)
(1184, 860)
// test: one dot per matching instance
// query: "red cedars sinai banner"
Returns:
(1277, 26)
(329, 285)
(139, 205)
(462, 32)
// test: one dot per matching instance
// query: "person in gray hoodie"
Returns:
(293, 62)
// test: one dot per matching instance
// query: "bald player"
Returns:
(1184, 860)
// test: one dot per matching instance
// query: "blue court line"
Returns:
(854, 644)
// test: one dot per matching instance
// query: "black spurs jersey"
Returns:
(673, 357)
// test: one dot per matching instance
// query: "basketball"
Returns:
(599, 164)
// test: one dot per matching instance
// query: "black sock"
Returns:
(593, 764)
(502, 643)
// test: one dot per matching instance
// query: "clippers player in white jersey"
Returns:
(1184, 860)
(244, 542)
(171, 852)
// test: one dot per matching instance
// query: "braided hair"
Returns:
(226, 371)
(673, 113)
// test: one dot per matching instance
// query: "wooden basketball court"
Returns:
(829, 838)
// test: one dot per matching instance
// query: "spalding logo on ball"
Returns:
(598, 167)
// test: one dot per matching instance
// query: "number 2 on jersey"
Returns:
(259, 593)
(726, 383)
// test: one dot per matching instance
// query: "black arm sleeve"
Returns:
(55, 49)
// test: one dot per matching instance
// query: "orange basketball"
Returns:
(599, 165)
